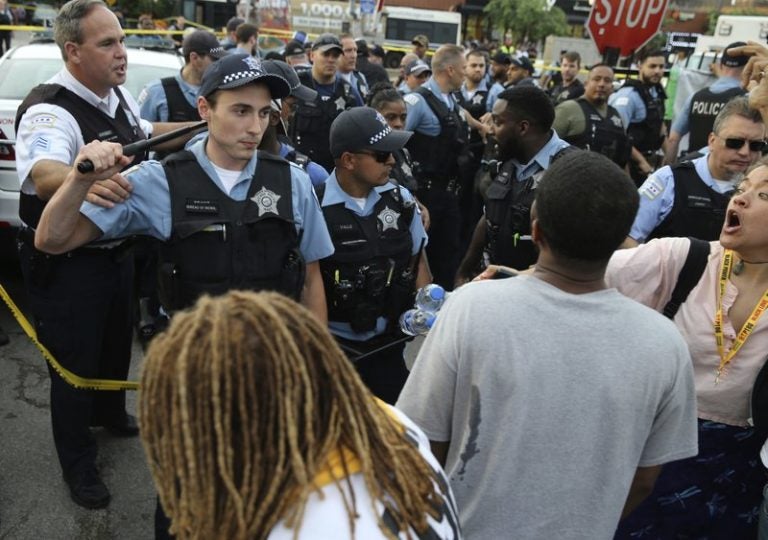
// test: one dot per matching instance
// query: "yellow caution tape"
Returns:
(69, 377)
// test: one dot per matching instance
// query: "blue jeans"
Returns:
(762, 532)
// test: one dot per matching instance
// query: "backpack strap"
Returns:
(689, 275)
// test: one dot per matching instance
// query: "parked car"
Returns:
(26, 66)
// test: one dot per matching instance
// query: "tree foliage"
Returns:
(527, 20)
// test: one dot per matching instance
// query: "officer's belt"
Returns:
(113, 248)
(451, 185)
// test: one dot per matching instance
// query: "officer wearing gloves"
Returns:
(379, 243)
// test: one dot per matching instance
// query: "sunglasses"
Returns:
(738, 144)
(381, 157)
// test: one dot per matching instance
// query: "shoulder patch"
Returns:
(43, 120)
(621, 101)
(412, 98)
(651, 188)
(142, 96)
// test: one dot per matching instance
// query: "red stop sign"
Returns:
(625, 24)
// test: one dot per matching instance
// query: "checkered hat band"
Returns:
(380, 135)
(241, 75)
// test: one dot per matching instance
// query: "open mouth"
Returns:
(732, 222)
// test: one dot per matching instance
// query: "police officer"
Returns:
(700, 109)
(438, 145)
(378, 239)
(690, 198)
(527, 145)
(81, 300)
(415, 73)
(348, 67)
(174, 98)
(275, 140)
(569, 87)
(312, 122)
(590, 123)
(230, 217)
(640, 103)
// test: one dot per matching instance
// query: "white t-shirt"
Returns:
(325, 516)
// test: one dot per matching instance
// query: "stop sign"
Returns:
(625, 24)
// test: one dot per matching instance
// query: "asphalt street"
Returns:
(34, 500)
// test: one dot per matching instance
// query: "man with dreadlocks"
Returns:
(256, 425)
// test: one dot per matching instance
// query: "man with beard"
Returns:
(690, 198)
(570, 86)
(522, 125)
(640, 103)
(590, 123)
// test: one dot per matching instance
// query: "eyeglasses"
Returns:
(737, 144)
(381, 157)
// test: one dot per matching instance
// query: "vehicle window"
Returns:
(403, 29)
(18, 77)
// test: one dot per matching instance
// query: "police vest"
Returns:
(646, 135)
(698, 210)
(437, 157)
(476, 106)
(508, 216)
(705, 104)
(93, 123)
(311, 124)
(561, 93)
(179, 109)
(603, 135)
(218, 244)
(402, 171)
(369, 274)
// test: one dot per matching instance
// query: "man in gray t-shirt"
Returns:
(551, 399)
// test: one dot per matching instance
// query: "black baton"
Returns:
(137, 147)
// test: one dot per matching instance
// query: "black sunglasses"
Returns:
(381, 157)
(738, 144)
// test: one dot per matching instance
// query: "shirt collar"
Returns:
(544, 156)
(198, 150)
(107, 104)
(335, 195)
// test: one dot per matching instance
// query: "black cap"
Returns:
(364, 128)
(236, 70)
(326, 42)
(416, 67)
(233, 23)
(294, 48)
(202, 42)
(362, 47)
(501, 58)
(522, 62)
(378, 50)
(734, 61)
(276, 67)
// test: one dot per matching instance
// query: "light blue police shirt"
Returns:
(657, 197)
(335, 195)
(541, 160)
(148, 210)
(682, 123)
(420, 117)
(468, 95)
(628, 103)
(317, 173)
(493, 94)
(154, 104)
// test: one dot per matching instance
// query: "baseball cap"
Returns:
(233, 23)
(420, 39)
(362, 47)
(734, 61)
(501, 58)
(378, 50)
(326, 42)
(294, 48)
(416, 67)
(364, 128)
(202, 42)
(281, 69)
(236, 70)
(522, 62)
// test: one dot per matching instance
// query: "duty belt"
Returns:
(113, 248)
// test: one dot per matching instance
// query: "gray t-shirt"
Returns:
(551, 401)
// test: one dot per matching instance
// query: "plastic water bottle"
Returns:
(431, 297)
(415, 322)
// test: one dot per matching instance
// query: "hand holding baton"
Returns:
(137, 147)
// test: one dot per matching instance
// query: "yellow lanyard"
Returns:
(749, 325)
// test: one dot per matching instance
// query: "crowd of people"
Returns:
(614, 388)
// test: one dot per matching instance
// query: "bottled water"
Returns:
(431, 297)
(415, 322)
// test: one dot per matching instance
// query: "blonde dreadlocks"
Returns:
(242, 401)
